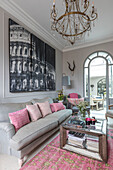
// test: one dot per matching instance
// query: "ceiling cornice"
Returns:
(13, 9)
(87, 44)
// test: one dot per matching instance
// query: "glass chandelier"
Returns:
(76, 20)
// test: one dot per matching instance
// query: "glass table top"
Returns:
(76, 122)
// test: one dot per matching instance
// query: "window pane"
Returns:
(110, 81)
(87, 62)
(102, 54)
(92, 56)
(110, 61)
(86, 81)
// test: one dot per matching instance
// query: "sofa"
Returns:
(28, 137)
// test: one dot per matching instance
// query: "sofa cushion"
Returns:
(34, 112)
(19, 118)
(44, 108)
(32, 131)
(56, 107)
(60, 116)
(50, 100)
(6, 108)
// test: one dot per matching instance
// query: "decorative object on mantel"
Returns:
(71, 69)
(76, 20)
(32, 61)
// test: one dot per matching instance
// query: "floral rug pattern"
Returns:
(54, 158)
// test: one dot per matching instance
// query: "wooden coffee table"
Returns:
(98, 130)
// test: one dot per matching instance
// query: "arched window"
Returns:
(109, 72)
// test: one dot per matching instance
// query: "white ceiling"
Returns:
(39, 10)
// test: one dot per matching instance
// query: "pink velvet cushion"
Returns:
(34, 112)
(44, 108)
(75, 101)
(19, 118)
(73, 95)
(56, 107)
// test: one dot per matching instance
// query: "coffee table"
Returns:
(98, 130)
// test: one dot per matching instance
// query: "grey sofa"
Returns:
(31, 135)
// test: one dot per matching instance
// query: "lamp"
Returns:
(75, 21)
(66, 81)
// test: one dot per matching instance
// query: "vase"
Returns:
(82, 112)
(82, 115)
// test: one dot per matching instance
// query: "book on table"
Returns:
(92, 143)
(76, 139)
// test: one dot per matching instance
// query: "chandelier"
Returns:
(76, 20)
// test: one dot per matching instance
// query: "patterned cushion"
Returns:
(75, 101)
(56, 107)
(19, 118)
(34, 112)
(73, 95)
(44, 108)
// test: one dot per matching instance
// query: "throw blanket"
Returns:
(75, 101)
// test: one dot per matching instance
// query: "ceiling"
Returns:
(39, 11)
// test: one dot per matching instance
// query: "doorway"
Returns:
(98, 81)
(98, 86)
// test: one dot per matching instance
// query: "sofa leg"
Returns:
(21, 162)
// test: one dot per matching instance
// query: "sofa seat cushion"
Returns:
(32, 131)
(61, 115)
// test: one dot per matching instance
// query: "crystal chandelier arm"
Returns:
(66, 3)
(66, 28)
(60, 25)
(69, 25)
(86, 7)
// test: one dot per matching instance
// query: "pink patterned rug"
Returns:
(54, 158)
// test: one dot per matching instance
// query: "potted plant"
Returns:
(60, 95)
(82, 107)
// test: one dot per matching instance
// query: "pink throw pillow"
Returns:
(44, 108)
(19, 118)
(56, 107)
(34, 112)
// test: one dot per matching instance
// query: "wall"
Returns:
(5, 95)
(79, 56)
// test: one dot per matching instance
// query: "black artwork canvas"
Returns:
(38, 61)
(32, 62)
(50, 68)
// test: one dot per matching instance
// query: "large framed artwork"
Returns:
(32, 62)
(50, 67)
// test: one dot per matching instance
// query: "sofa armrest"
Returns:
(8, 128)
(7, 131)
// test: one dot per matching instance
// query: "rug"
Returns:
(54, 158)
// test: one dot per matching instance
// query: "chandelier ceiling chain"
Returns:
(75, 21)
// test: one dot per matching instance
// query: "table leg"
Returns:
(63, 137)
(103, 148)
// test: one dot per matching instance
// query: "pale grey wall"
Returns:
(79, 56)
(5, 95)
